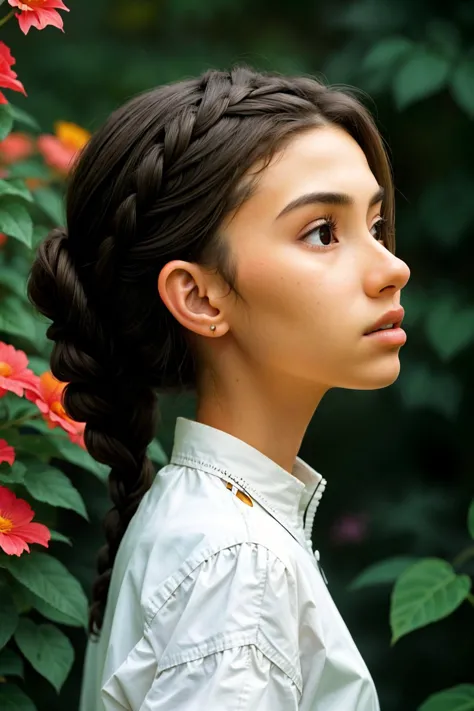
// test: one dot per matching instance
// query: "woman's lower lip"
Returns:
(389, 336)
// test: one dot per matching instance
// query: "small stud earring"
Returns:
(213, 327)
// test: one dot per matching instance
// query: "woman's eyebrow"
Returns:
(326, 198)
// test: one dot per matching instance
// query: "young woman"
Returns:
(230, 235)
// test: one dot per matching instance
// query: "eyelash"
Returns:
(330, 221)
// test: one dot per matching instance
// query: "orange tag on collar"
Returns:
(239, 494)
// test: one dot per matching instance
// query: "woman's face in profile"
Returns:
(315, 276)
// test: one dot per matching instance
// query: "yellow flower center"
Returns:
(5, 369)
(5, 525)
(58, 409)
(30, 5)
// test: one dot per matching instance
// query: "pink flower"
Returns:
(8, 78)
(350, 528)
(61, 150)
(16, 146)
(39, 13)
(15, 377)
(7, 453)
(48, 397)
(16, 529)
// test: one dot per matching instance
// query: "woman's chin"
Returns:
(376, 375)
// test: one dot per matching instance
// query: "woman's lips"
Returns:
(395, 336)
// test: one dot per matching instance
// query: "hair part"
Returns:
(154, 184)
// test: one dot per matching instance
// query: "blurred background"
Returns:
(399, 462)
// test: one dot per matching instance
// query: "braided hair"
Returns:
(153, 185)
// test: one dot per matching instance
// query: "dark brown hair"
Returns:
(153, 184)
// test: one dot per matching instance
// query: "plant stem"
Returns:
(20, 421)
(464, 556)
(7, 17)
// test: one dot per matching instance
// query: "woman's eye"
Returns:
(324, 235)
(377, 230)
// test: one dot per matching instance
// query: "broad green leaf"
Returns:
(22, 117)
(52, 204)
(385, 571)
(157, 453)
(16, 319)
(462, 85)
(426, 592)
(13, 407)
(78, 456)
(60, 538)
(15, 188)
(40, 232)
(423, 74)
(51, 613)
(12, 474)
(387, 53)
(10, 663)
(47, 649)
(6, 121)
(14, 699)
(50, 580)
(38, 365)
(470, 519)
(8, 615)
(15, 220)
(48, 484)
(458, 698)
(13, 281)
(450, 328)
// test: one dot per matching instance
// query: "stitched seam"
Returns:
(183, 458)
(246, 687)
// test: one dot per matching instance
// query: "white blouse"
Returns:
(217, 601)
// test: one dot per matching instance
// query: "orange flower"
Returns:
(48, 398)
(16, 146)
(8, 78)
(16, 529)
(7, 453)
(38, 13)
(14, 374)
(60, 151)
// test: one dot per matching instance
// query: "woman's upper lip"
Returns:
(394, 316)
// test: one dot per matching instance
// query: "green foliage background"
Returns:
(403, 457)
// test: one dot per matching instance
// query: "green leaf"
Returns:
(51, 613)
(8, 616)
(15, 188)
(385, 571)
(422, 75)
(50, 580)
(47, 649)
(31, 168)
(48, 484)
(426, 592)
(18, 320)
(22, 117)
(458, 698)
(462, 85)
(13, 699)
(12, 474)
(10, 663)
(157, 453)
(446, 207)
(470, 519)
(449, 328)
(388, 53)
(78, 456)
(60, 537)
(443, 38)
(6, 120)
(13, 282)
(15, 221)
(52, 204)
(423, 387)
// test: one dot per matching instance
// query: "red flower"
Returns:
(8, 78)
(16, 531)
(14, 375)
(3, 239)
(48, 398)
(16, 146)
(39, 13)
(7, 453)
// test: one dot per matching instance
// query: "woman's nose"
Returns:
(386, 271)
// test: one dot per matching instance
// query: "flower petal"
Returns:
(12, 545)
(34, 533)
